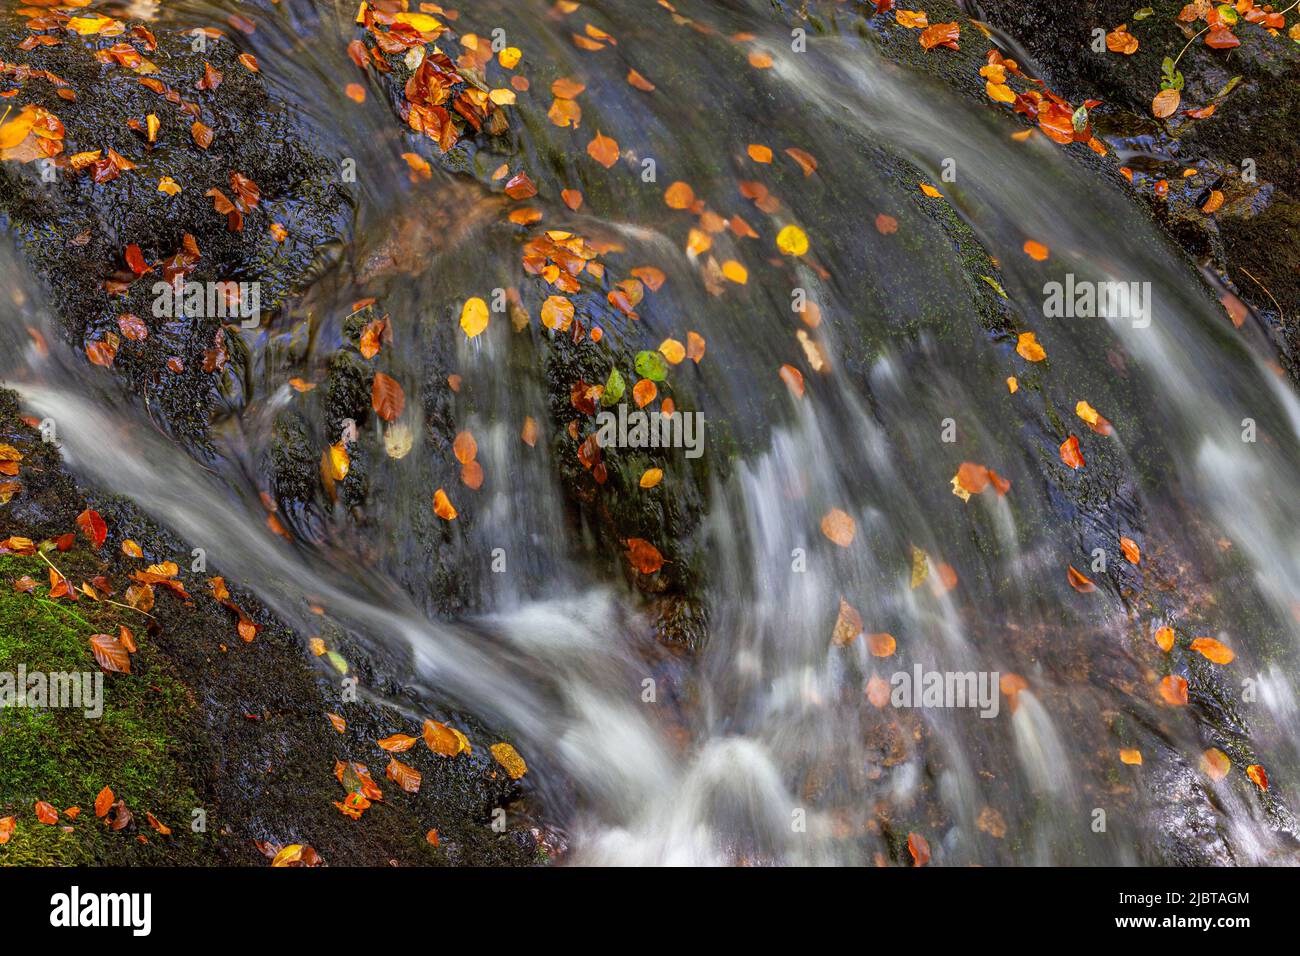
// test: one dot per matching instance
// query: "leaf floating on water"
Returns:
(473, 317)
(1215, 764)
(882, 644)
(839, 527)
(1036, 250)
(878, 692)
(464, 447)
(509, 758)
(793, 379)
(1212, 650)
(1131, 757)
(848, 625)
(792, 241)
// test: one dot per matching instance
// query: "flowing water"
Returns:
(763, 745)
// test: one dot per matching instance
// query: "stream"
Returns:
(768, 743)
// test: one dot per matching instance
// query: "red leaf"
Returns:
(93, 527)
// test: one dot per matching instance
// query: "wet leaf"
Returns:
(848, 625)
(93, 527)
(1215, 764)
(643, 556)
(104, 801)
(651, 364)
(807, 162)
(603, 150)
(1070, 453)
(443, 740)
(839, 527)
(792, 241)
(1165, 638)
(46, 813)
(464, 447)
(644, 392)
(1131, 757)
(1173, 690)
(651, 477)
(408, 778)
(1078, 581)
(1213, 650)
(387, 397)
(793, 379)
(1132, 553)
(1027, 348)
(1165, 102)
(442, 506)
(882, 644)
(1257, 776)
(919, 848)
(397, 743)
(509, 758)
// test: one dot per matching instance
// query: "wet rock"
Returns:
(75, 222)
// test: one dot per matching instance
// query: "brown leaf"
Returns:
(110, 654)
(387, 397)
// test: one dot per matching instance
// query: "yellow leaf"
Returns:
(474, 317)
(509, 758)
(651, 477)
(792, 240)
(1027, 348)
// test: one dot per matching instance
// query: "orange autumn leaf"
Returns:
(679, 195)
(881, 645)
(1131, 757)
(839, 527)
(912, 19)
(7, 827)
(110, 654)
(471, 473)
(1035, 250)
(408, 778)
(603, 150)
(1257, 776)
(651, 477)
(529, 432)
(104, 801)
(1173, 690)
(509, 758)
(759, 153)
(643, 556)
(572, 198)
(387, 397)
(1132, 553)
(567, 88)
(1078, 581)
(46, 813)
(443, 740)
(878, 692)
(974, 478)
(644, 392)
(442, 506)
(640, 82)
(1165, 638)
(695, 346)
(1120, 40)
(807, 162)
(1165, 102)
(1027, 347)
(886, 225)
(940, 34)
(397, 743)
(919, 848)
(1215, 764)
(1212, 650)
(338, 722)
(464, 447)
(793, 379)
(1070, 453)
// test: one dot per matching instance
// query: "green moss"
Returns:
(64, 757)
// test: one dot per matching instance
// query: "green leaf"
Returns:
(1228, 88)
(1143, 13)
(614, 388)
(997, 287)
(1228, 14)
(1080, 119)
(652, 365)
(337, 660)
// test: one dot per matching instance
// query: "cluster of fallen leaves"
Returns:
(110, 809)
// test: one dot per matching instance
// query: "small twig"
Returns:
(1281, 314)
(68, 581)
(1184, 49)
